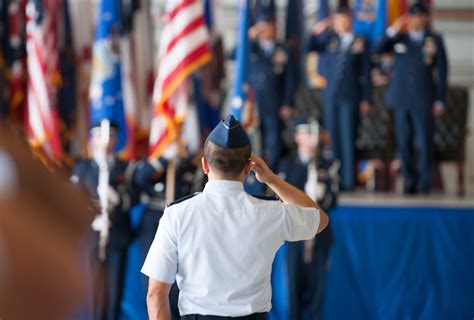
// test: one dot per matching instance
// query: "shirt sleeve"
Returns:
(299, 223)
(161, 263)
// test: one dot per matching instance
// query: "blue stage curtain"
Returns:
(401, 263)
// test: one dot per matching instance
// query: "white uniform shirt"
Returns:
(220, 246)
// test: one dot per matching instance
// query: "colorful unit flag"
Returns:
(396, 8)
(370, 19)
(184, 47)
(106, 100)
(43, 79)
(241, 87)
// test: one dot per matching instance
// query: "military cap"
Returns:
(266, 11)
(418, 8)
(229, 133)
(306, 125)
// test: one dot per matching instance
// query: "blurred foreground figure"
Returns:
(106, 274)
(312, 169)
(42, 222)
(348, 89)
(417, 91)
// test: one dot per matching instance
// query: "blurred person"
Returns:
(417, 91)
(348, 89)
(42, 223)
(271, 77)
(312, 169)
(106, 277)
(149, 181)
(206, 241)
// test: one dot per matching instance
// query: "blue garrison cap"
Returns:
(229, 134)
(266, 11)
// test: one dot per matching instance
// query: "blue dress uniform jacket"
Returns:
(347, 73)
(106, 280)
(271, 77)
(419, 78)
(306, 280)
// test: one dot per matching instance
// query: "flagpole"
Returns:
(170, 181)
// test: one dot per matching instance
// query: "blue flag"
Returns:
(208, 14)
(106, 84)
(370, 19)
(240, 88)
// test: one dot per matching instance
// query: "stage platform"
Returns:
(361, 198)
(394, 257)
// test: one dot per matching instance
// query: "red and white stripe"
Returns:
(184, 47)
(43, 79)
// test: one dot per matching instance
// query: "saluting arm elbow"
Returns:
(324, 221)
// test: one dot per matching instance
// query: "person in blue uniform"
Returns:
(348, 87)
(312, 169)
(149, 181)
(106, 277)
(417, 91)
(219, 245)
(271, 77)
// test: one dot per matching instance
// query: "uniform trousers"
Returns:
(414, 124)
(340, 119)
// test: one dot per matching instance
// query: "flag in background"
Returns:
(106, 99)
(241, 87)
(3, 33)
(82, 25)
(43, 71)
(396, 8)
(370, 19)
(142, 34)
(184, 47)
(67, 91)
(15, 54)
(128, 75)
(295, 34)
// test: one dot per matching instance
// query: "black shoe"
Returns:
(409, 190)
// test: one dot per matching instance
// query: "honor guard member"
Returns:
(107, 289)
(149, 181)
(416, 92)
(220, 244)
(312, 169)
(348, 88)
(271, 77)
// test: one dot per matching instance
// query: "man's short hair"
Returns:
(226, 161)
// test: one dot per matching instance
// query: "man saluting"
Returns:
(219, 245)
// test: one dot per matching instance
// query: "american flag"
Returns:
(43, 78)
(184, 47)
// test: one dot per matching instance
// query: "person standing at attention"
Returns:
(219, 245)
(417, 91)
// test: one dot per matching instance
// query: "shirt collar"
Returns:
(223, 186)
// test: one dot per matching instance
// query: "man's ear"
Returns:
(247, 168)
(204, 165)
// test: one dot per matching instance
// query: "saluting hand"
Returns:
(399, 24)
(321, 26)
(262, 172)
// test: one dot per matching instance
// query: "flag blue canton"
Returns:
(240, 88)
(106, 99)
